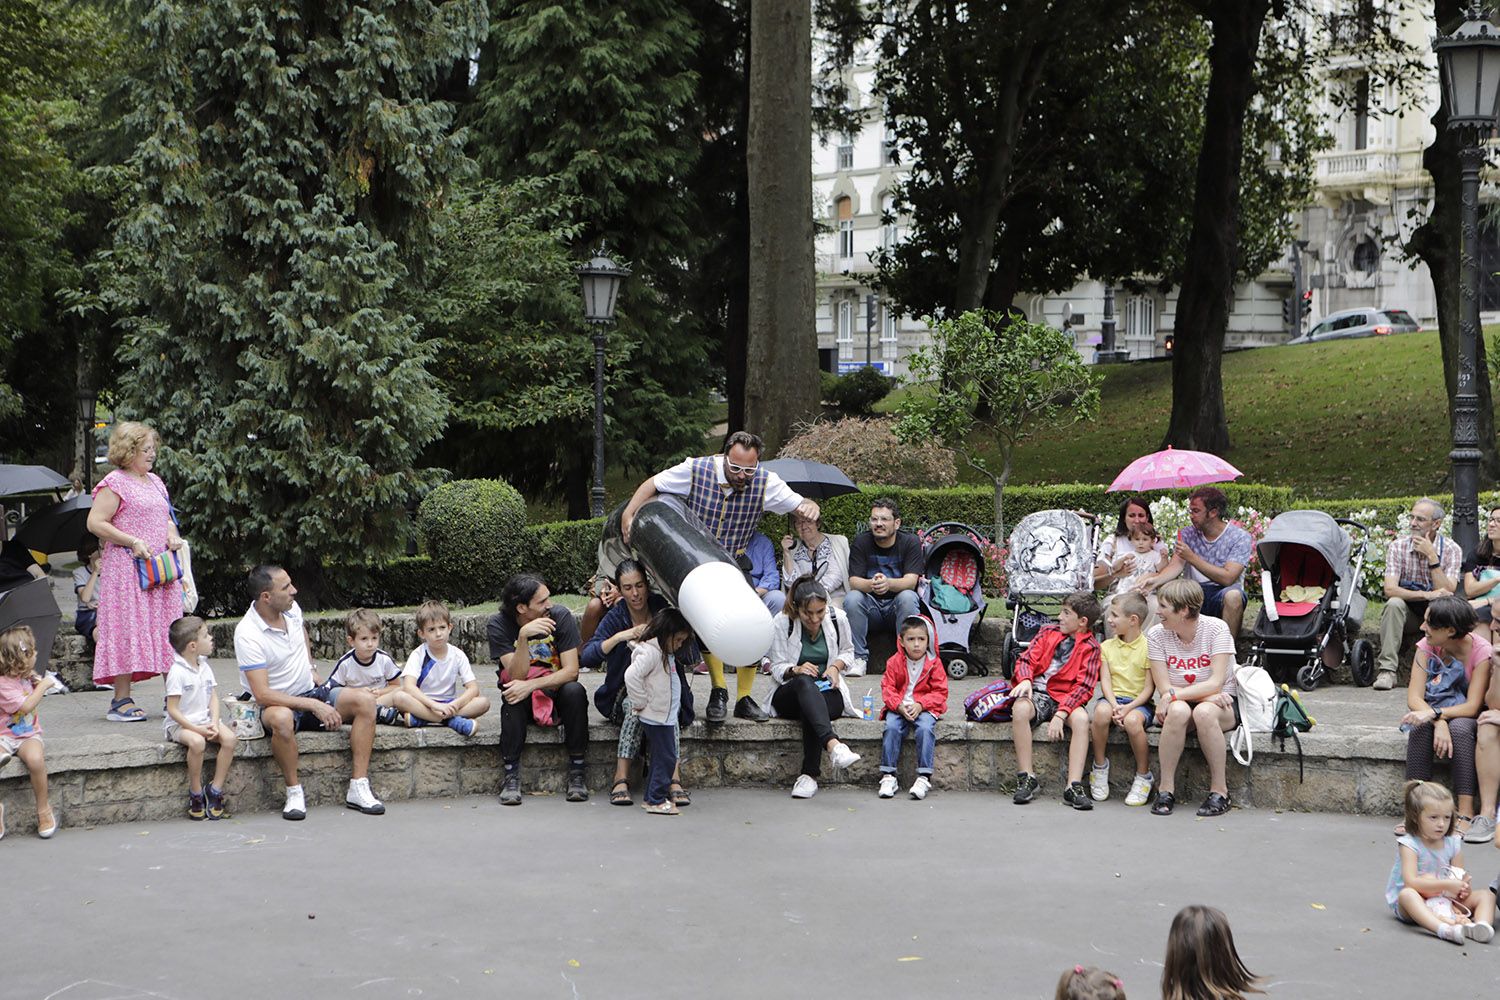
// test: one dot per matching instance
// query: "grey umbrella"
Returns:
(21, 480)
(814, 480)
(58, 528)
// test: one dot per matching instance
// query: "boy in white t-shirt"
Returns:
(368, 666)
(192, 717)
(434, 671)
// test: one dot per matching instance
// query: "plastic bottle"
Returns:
(869, 708)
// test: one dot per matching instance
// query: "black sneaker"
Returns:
(385, 715)
(1214, 805)
(510, 790)
(1026, 788)
(1163, 804)
(718, 705)
(747, 708)
(577, 790)
(1077, 796)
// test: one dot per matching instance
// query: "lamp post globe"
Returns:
(600, 279)
(1469, 70)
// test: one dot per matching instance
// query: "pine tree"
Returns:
(290, 159)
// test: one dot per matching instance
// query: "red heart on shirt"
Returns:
(1190, 677)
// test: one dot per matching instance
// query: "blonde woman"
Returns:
(132, 516)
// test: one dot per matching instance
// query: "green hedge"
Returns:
(1388, 509)
(564, 553)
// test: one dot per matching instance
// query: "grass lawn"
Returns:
(1353, 418)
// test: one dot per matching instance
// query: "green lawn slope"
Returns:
(1353, 418)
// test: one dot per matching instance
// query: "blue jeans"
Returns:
(896, 728)
(865, 610)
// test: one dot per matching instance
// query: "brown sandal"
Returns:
(619, 794)
(680, 796)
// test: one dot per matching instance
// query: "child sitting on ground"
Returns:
(1055, 678)
(20, 730)
(192, 717)
(1125, 698)
(1202, 962)
(915, 692)
(429, 684)
(1423, 888)
(1091, 983)
(655, 691)
(366, 665)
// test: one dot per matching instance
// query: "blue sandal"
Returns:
(118, 712)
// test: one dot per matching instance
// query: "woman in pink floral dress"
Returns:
(132, 515)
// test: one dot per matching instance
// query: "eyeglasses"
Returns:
(743, 470)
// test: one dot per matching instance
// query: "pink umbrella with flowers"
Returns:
(1173, 469)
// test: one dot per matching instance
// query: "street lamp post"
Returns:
(87, 408)
(1469, 65)
(601, 279)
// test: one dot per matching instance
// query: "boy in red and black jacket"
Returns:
(1055, 678)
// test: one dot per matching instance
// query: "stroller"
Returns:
(1309, 578)
(952, 592)
(1051, 556)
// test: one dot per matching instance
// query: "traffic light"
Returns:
(1306, 304)
(1286, 312)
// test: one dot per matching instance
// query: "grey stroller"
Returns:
(1051, 556)
(952, 591)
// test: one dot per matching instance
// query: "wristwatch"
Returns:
(1437, 715)
(1433, 565)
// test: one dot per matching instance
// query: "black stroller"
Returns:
(952, 592)
(1309, 621)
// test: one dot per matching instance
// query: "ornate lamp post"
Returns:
(87, 409)
(1469, 64)
(601, 279)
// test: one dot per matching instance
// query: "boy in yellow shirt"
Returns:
(1125, 701)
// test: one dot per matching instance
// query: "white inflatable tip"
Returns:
(726, 612)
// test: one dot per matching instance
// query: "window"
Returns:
(890, 229)
(846, 152)
(1140, 317)
(888, 339)
(1366, 256)
(845, 210)
(846, 328)
(1361, 114)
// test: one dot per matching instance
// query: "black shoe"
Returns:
(718, 705)
(510, 791)
(577, 790)
(1214, 805)
(1077, 796)
(1026, 788)
(1163, 804)
(747, 708)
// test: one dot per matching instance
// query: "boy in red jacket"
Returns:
(1055, 678)
(915, 691)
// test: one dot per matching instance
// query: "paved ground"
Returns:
(748, 894)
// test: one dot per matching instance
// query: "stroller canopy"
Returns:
(1313, 528)
(1051, 552)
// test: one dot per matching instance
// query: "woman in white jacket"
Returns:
(809, 654)
(655, 690)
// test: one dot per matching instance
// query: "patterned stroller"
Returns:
(1051, 556)
(952, 592)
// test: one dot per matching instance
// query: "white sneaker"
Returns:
(1452, 932)
(920, 786)
(1099, 782)
(1480, 931)
(806, 787)
(857, 668)
(887, 786)
(1140, 790)
(842, 756)
(360, 797)
(58, 687)
(296, 805)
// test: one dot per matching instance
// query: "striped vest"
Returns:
(729, 518)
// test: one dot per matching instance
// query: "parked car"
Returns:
(1350, 323)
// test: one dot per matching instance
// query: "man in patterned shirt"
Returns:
(1213, 554)
(1419, 566)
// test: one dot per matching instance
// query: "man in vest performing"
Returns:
(728, 493)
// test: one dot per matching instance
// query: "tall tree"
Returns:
(596, 101)
(781, 380)
(289, 160)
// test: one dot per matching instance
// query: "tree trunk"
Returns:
(1198, 417)
(1000, 481)
(1436, 242)
(781, 358)
(737, 328)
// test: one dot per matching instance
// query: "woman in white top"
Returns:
(1116, 556)
(1192, 665)
(826, 557)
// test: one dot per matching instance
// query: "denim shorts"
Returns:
(1147, 712)
(307, 722)
(1213, 598)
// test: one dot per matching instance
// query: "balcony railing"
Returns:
(1355, 164)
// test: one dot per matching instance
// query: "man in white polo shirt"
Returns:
(275, 659)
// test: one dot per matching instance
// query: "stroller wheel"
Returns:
(1309, 676)
(1362, 663)
(958, 667)
(1008, 655)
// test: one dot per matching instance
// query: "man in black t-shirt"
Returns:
(535, 647)
(885, 564)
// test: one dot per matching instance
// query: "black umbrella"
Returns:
(814, 480)
(58, 528)
(21, 480)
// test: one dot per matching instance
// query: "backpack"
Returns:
(990, 703)
(1291, 719)
(1257, 700)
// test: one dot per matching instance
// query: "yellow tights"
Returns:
(744, 676)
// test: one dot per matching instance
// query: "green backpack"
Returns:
(1291, 719)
